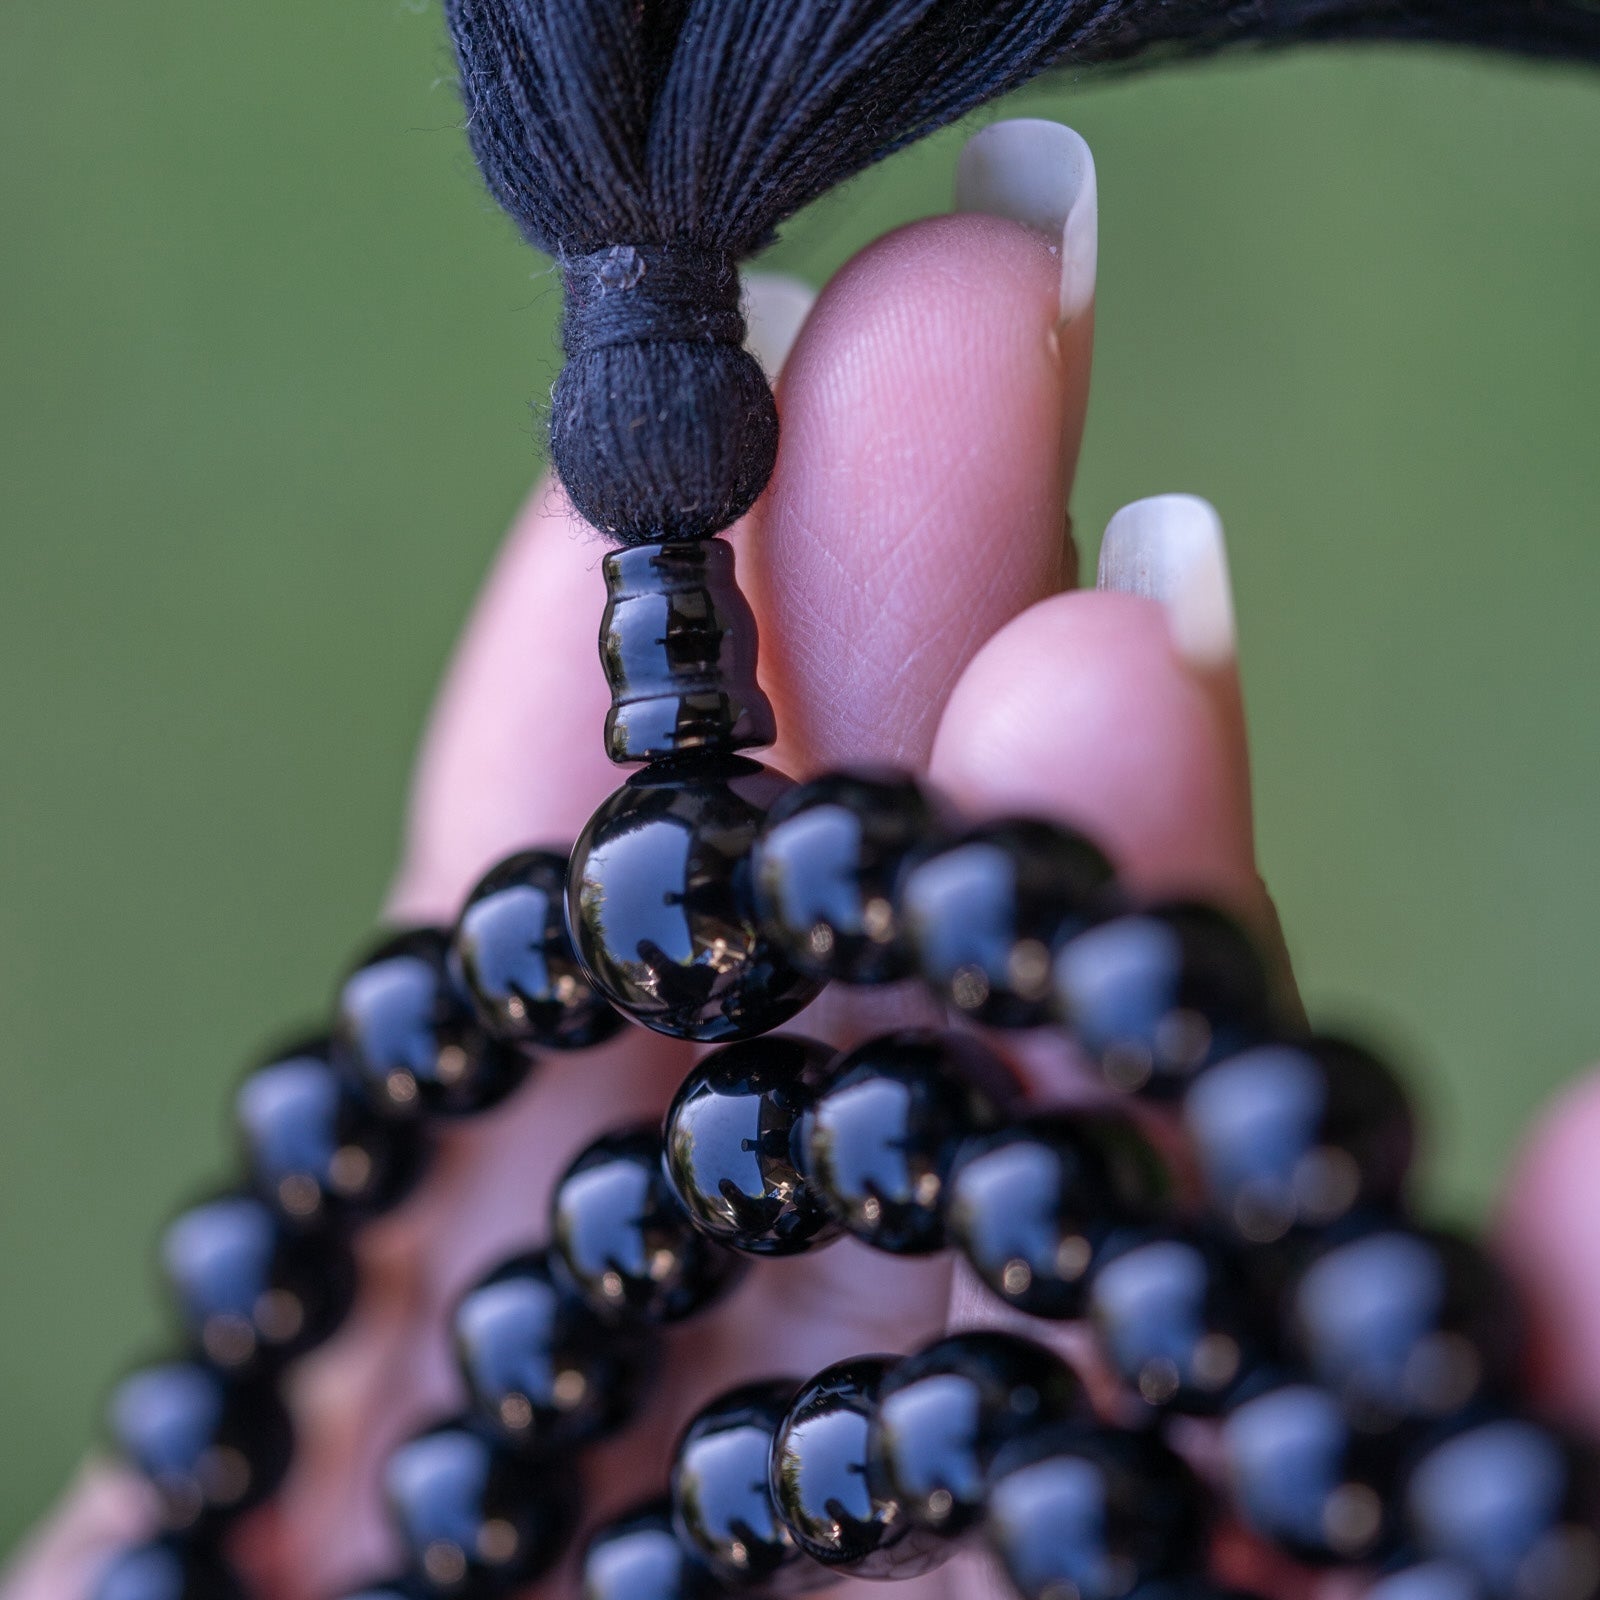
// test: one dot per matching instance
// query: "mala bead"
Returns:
(729, 1145)
(1075, 1509)
(1427, 1580)
(476, 1519)
(168, 1569)
(639, 1557)
(543, 1371)
(827, 870)
(315, 1149)
(880, 1140)
(1031, 1205)
(247, 1287)
(722, 1501)
(661, 906)
(410, 1035)
(944, 1413)
(984, 913)
(822, 1479)
(1154, 996)
(392, 1589)
(1299, 1135)
(209, 1444)
(625, 1241)
(517, 961)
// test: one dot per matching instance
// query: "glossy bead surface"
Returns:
(1154, 996)
(984, 913)
(209, 1444)
(730, 1141)
(944, 1413)
(1031, 1204)
(1079, 1510)
(393, 1589)
(1427, 1580)
(639, 1557)
(542, 1370)
(661, 904)
(316, 1151)
(517, 961)
(879, 1142)
(167, 1569)
(476, 1519)
(624, 1239)
(1169, 1312)
(722, 1501)
(822, 1479)
(1299, 1135)
(411, 1037)
(247, 1287)
(827, 872)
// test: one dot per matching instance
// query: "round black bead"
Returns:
(827, 870)
(1078, 1510)
(1031, 1205)
(517, 960)
(315, 1149)
(1299, 1135)
(168, 1569)
(984, 913)
(248, 1287)
(1169, 1312)
(476, 1519)
(722, 1500)
(879, 1142)
(822, 1479)
(662, 909)
(1427, 1580)
(209, 1444)
(945, 1412)
(543, 1371)
(624, 1239)
(639, 1557)
(410, 1035)
(1154, 996)
(730, 1144)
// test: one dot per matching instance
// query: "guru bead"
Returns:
(639, 1557)
(168, 1569)
(661, 908)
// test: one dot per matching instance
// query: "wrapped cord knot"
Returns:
(651, 294)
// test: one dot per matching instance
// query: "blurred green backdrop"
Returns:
(266, 355)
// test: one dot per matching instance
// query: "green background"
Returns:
(266, 355)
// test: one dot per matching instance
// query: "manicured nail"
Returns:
(1040, 174)
(775, 309)
(1172, 548)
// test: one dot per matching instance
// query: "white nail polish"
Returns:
(775, 309)
(1040, 174)
(1172, 548)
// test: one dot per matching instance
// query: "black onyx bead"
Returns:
(879, 1142)
(639, 1557)
(730, 1143)
(1427, 1580)
(984, 914)
(662, 909)
(944, 1413)
(722, 1501)
(822, 1480)
(517, 960)
(1169, 1312)
(1516, 1504)
(314, 1147)
(1079, 1510)
(409, 1034)
(247, 1286)
(1190, 1588)
(827, 871)
(1154, 996)
(1031, 1205)
(1299, 1134)
(542, 1370)
(168, 1569)
(392, 1589)
(624, 1239)
(209, 1444)
(476, 1519)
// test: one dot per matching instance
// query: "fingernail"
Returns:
(1040, 174)
(775, 309)
(1172, 548)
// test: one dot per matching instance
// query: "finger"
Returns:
(104, 1509)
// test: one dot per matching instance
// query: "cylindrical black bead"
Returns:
(639, 1557)
(678, 643)
(168, 1569)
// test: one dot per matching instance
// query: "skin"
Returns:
(911, 570)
